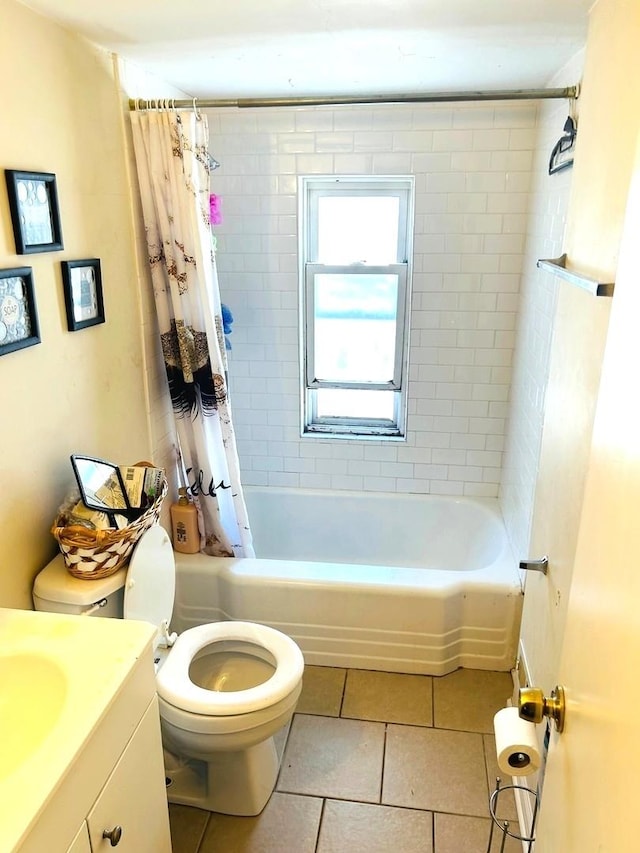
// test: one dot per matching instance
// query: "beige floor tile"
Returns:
(468, 699)
(388, 696)
(506, 802)
(456, 834)
(435, 769)
(356, 827)
(328, 757)
(187, 827)
(322, 688)
(288, 823)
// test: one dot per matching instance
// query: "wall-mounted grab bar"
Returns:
(558, 266)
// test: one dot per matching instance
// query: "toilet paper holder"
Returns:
(503, 825)
(533, 705)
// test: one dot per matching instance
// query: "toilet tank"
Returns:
(56, 590)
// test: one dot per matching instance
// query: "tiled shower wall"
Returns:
(549, 199)
(472, 166)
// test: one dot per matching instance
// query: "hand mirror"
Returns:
(102, 487)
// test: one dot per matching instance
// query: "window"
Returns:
(355, 268)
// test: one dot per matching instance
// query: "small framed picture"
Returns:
(33, 201)
(82, 282)
(18, 315)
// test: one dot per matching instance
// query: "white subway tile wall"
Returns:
(472, 167)
(549, 199)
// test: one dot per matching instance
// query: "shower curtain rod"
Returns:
(339, 100)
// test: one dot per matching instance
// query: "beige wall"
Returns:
(610, 117)
(135, 82)
(74, 392)
(607, 132)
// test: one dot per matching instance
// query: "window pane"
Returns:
(344, 403)
(356, 249)
(355, 327)
(354, 229)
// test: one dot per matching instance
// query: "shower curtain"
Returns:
(173, 165)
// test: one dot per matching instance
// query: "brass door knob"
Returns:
(533, 705)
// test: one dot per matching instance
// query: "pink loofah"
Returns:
(215, 212)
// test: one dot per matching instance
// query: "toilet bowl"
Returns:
(224, 688)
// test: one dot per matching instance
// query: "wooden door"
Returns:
(589, 801)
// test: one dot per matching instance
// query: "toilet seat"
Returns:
(175, 686)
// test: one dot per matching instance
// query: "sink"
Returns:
(32, 697)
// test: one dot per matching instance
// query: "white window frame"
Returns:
(310, 189)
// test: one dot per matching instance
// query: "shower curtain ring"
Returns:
(197, 112)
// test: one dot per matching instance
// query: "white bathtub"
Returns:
(399, 583)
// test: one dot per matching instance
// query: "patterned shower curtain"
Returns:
(173, 164)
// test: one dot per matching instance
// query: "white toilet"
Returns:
(224, 688)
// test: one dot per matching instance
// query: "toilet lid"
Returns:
(149, 591)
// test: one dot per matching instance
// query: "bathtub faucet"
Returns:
(540, 565)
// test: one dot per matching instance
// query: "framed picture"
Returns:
(18, 315)
(82, 282)
(33, 201)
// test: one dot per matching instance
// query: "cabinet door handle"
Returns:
(114, 835)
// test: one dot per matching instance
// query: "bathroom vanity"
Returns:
(81, 769)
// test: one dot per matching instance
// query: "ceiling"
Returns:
(257, 48)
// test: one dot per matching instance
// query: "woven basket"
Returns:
(93, 554)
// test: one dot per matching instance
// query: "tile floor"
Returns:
(375, 762)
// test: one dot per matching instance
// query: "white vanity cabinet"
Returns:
(130, 812)
(84, 758)
(81, 843)
(132, 806)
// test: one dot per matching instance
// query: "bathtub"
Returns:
(397, 583)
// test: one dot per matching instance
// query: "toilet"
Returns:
(224, 688)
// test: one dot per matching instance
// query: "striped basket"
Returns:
(94, 554)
